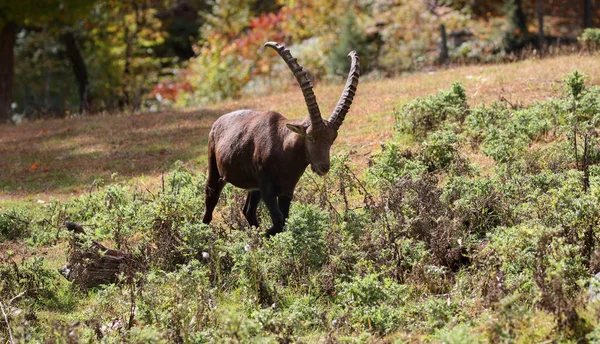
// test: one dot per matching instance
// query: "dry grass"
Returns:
(63, 157)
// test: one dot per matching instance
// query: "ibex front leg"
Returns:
(269, 196)
(284, 204)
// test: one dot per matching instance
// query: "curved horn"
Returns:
(343, 105)
(304, 81)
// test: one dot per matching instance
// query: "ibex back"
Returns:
(266, 154)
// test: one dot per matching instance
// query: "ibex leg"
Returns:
(270, 198)
(250, 208)
(284, 204)
(212, 191)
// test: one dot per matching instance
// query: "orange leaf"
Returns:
(34, 166)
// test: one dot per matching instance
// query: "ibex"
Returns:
(266, 154)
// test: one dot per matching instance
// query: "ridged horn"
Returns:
(305, 84)
(343, 105)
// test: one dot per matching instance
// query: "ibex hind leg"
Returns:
(250, 207)
(212, 190)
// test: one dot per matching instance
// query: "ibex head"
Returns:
(319, 134)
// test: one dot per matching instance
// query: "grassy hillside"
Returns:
(56, 158)
(462, 206)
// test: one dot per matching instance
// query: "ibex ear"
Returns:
(297, 128)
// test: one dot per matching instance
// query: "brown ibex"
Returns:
(266, 154)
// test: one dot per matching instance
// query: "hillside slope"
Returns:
(60, 157)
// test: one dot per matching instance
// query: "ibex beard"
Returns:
(266, 154)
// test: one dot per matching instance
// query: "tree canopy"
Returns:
(72, 56)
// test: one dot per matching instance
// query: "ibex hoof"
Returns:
(272, 231)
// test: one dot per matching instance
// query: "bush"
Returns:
(590, 38)
(217, 73)
(14, 224)
(393, 163)
(461, 333)
(439, 150)
(483, 117)
(478, 202)
(32, 283)
(181, 301)
(300, 250)
(374, 303)
(423, 115)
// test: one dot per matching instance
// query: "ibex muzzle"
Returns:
(266, 154)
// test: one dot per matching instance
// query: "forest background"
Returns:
(61, 58)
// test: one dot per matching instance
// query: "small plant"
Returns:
(32, 283)
(14, 224)
(461, 333)
(300, 250)
(439, 151)
(393, 163)
(180, 301)
(590, 39)
(423, 115)
(374, 302)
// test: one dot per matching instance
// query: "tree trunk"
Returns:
(586, 162)
(587, 14)
(7, 44)
(443, 45)
(540, 18)
(127, 70)
(79, 69)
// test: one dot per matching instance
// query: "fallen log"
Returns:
(91, 264)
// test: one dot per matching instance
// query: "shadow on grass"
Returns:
(64, 156)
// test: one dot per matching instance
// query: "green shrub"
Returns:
(32, 283)
(590, 38)
(483, 117)
(505, 146)
(478, 202)
(215, 75)
(461, 333)
(423, 115)
(556, 157)
(440, 150)
(14, 224)
(393, 163)
(249, 257)
(575, 84)
(374, 303)
(302, 311)
(300, 249)
(180, 303)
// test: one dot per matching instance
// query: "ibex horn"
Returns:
(304, 81)
(343, 105)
